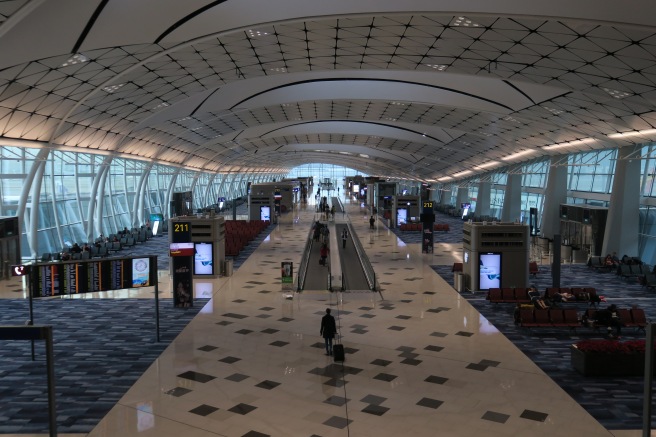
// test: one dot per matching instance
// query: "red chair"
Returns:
(457, 267)
(533, 268)
(542, 317)
(557, 317)
(521, 295)
(494, 295)
(571, 318)
(508, 294)
(527, 318)
(639, 318)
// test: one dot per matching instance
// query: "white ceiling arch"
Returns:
(484, 78)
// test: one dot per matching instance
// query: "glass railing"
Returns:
(305, 259)
(367, 268)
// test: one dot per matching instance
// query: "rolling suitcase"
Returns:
(338, 352)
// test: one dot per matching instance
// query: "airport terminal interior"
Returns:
(191, 149)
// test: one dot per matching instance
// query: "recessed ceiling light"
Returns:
(255, 33)
(462, 173)
(77, 58)
(184, 119)
(617, 94)
(390, 119)
(438, 67)
(278, 69)
(161, 105)
(444, 178)
(362, 155)
(398, 103)
(517, 155)
(638, 133)
(569, 144)
(487, 165)
(554, 111)
(511, 119)
(344, 153)
(112, 88)
(464, 22)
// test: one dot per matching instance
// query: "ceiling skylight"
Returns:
(438, 67)
(617, 94)
(113, 88)
(464, 22)
(255, 33)
(517, 155)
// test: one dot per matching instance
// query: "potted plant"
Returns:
(609, 357)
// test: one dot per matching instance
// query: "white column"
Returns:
(555, 194)
(512, 199)
(462, 196)
(621, 233)
(137, 205)
(483, 199)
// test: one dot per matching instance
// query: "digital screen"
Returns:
(181, 249)
(155, 227)
(466, 257)
(141, 272)
(401, 216)
(356, 188)
(489, 271)
(20, 270)
(265, 213)
(203, 259)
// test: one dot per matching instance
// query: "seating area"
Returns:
(417, 227)
(551, 318)
(578, 294)
(241, 232)
(508, 295)
(629, 318)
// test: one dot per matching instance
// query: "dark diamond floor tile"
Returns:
(285, 319)
(408, 355)
(255, 434)
(464, 333)
(196, 376)
(379, 362)
(267, 384)
(434, 310)
(495, 417)
(385, 377)
(534, 415)
(239, 301)
(203, 410)
(207, 348)
(235, 316)
(279, 343)
(178, 391)
(224, 323)
(411, 362)
(242, 409)
(438, 334)
(358, 326)
(365, 308)
(243, 331)
(267, 308)
(359, 331)
(368, 316)
(429, 292)
(236, 377)
(338, 422)
(373, 399)
(263, 316)
(269, 331)
(489, 363)
(230, 360)
(336, 400)
(405, 348)
(396, 328)
(436, 379)
(335, 382)
(474, 366)
(377, 410)
(430, 403)
(434, 348)
(402, 317)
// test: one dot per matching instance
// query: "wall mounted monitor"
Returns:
(401, 216)
(265, 213)
(203, 259)
(181, 249)
(489, 270)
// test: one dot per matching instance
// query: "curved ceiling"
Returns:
(414, 90)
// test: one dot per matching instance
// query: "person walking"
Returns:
(328, 331)
(372, 220)
(344, 238)
(323, 252)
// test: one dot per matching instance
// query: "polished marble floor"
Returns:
(421, 361)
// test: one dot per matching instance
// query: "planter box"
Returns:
(601, 364)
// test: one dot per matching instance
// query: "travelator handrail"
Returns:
(305, 259)
(367, 268)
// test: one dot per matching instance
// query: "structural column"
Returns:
(483, 199)
(621, 233)
(512, 199)
(555, 194)
(462, 196)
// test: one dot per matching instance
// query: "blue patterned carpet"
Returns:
(101, 348)
(615, 402)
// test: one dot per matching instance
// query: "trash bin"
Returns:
(229, 263)
(457, 281)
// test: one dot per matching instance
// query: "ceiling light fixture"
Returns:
(569, 144)
(487, 165)
(444, 178)
(77, 58)
(464, 22)
(638, 133)
(517, 155)
(616, 93)
(462, 173)
(554, 111)
(278, 69)
(438, 67)
(255, 33)
(111, 88)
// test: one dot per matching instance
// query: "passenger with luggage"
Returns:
(328, 331)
